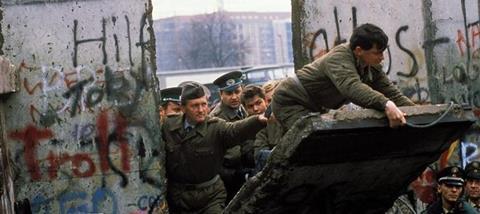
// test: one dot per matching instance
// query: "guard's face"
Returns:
(372, 56)
(450, 193)
(172, 108)
(472, 188)
(231, 98)
(196, 110)
(255, 105)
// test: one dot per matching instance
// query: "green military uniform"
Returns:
(231, 172)
(462, 207)
(472, 174)
(194, 158)
(331, 81)
(268, 137)
(233, 155)
(473, 205)
(227, 113)
(450, 176)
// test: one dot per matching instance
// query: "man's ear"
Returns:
(358, 51)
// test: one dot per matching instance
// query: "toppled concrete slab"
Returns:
(349, 162)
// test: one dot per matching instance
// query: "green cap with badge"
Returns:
(172, 94)
(229, 81)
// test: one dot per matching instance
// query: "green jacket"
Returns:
(197, 156)
(339, 78)
(228, 114)
(268, 137)
(233, 155)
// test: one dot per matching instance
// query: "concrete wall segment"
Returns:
(83, 130)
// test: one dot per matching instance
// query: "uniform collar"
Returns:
(232, 113)
(179, 124)
(186, 124)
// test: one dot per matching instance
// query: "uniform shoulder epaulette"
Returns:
(213, 120)
(173, 115)
(215, 112)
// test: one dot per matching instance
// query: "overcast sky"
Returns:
(166, 8)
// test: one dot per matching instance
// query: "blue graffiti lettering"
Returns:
(469, 152)
(102, 195)
(102, 200)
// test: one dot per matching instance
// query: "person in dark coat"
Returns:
(472, 184)
(450, 189)
(195, 144)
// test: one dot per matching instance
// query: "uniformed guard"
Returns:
(230, 109)
(170, 101)
(450, 189)
(472, 186)
(348, 73)
(195, 144)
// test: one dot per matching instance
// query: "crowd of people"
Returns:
(212, 150)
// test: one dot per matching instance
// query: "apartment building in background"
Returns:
(267, 36)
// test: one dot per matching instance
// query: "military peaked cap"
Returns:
(452, 175)
(172, 94)
(229, 81)
(472, 170)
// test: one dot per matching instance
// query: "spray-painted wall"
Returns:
(433, 53)
(83, 131)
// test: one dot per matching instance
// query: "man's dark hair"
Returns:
(367, 35)
(251, 91)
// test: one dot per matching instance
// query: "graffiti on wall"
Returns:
(455, 67)
(461, 74)
(89, 143)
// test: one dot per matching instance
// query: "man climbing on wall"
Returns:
(348, 73)
(195, 146)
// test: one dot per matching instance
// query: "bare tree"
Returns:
(211, 41)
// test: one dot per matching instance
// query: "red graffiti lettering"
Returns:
(102, 131)
(30, 90)
(476, 112)
(77, 161)
(30, 137)
(424, 185)
(55, 162)
(103, 148)
(69, 82)
(82, 163)
(460, 40)
(475, 33)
